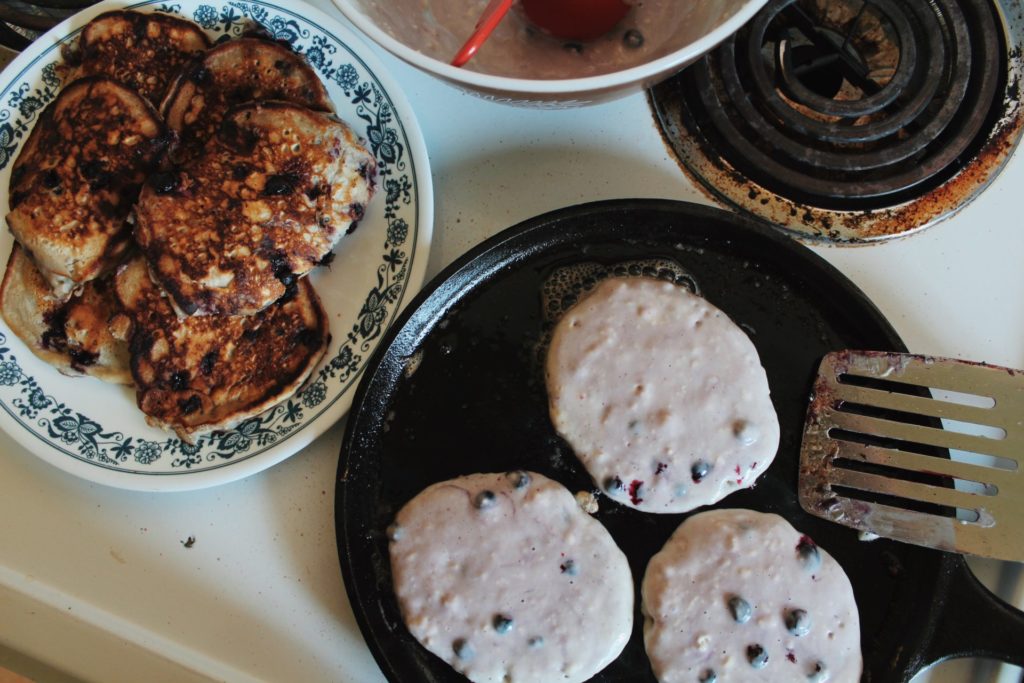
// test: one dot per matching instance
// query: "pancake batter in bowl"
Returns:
(651, 29)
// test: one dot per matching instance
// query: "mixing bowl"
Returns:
(522, 66)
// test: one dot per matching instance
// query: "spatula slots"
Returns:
(920, 449)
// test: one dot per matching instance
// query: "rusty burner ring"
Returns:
(851, 128)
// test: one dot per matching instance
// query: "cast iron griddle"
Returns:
(457, 387)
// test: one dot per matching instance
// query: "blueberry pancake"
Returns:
(71, 335)
(660, 395)
(505, 578)
(75, 181)
(234, 72)
(204, 373)
(737, 595)
(144, 51)
(265, 203)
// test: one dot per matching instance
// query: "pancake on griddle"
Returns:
(142, 51)
(73, 335)
(661, 396)
(234, 72)
(739, 595)
(506, 578)
(75, 181)
(203, 373)
(265, 203)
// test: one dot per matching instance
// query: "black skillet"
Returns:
(476, 402)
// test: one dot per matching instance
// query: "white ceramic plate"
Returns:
(93, 429)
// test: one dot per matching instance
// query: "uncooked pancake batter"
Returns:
(738, 595)
(505, 578)
(651, 29)
(660, 395)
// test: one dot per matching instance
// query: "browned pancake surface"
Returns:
(269, 198)
(72, 335)
(74, 183)
(199, 374)
(144, 51)
(237, 71)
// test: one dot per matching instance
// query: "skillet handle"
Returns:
(975, 623)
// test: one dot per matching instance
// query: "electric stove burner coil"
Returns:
(834, 107)
(22, 21)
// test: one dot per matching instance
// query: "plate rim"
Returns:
(227, 469)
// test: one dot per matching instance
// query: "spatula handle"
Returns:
(489, 20)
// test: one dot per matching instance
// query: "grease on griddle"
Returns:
(566, 285)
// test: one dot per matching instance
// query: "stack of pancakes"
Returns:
(166, 208)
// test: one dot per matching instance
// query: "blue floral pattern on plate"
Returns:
(64, 423)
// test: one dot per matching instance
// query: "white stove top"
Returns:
(99, 584)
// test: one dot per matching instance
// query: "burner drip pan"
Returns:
(845, 120)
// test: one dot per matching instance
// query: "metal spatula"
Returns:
(882, 455)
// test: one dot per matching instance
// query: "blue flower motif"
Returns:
(206, 16)
(392, 190)
(189, 448)
(398, 231)
(346, 76)
(50, 76)
(10, 373)
(147, 452)
(258, 14)
(342, 360)
(314, 394)
(37, 399)
(29, 106)
(315, 57)
(397, 190)
(288, 31)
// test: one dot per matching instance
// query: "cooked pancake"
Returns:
(269, 198)
(661, 396)
(73, 335)
(75, 181)
(200, 374)
(142, 51)
(234, 72)
(738, 595)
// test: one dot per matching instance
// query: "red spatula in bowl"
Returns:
(563, 19)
